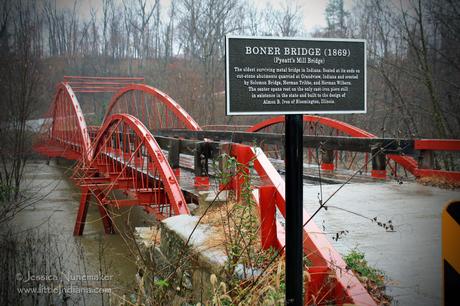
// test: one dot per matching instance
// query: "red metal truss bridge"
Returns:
(128, 153)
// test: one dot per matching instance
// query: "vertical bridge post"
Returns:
(327, 160)
(378, 162)
(201, 165)
(173, 156)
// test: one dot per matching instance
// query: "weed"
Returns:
(356, 261)
(373, 279)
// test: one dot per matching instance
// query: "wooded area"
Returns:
(413, 57)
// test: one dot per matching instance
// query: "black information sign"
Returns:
(294, 76)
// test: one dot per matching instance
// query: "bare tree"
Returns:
(336, 18)
(254, 20)
(139, 15)
(105, 24)
(19, 81)
(203, 26)
(407, 46)
(286, 21)
(168, 35)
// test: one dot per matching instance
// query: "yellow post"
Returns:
(451, 253)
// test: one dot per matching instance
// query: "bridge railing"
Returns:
(425, 164)
(99, 84)
(422, 165)
(270, 195)
(343, 286)
(125, 156)
(92, 131)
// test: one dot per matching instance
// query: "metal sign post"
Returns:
(292, 77)
(294, 209)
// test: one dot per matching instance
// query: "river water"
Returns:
(107, 260)
(410, 256)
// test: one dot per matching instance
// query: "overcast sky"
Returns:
(312, 10)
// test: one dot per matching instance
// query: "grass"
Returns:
(439, 182)
(357, 262)
(373, 279)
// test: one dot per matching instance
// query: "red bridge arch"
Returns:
(65, 133)
(153, 107)
(408, 163)
(127, 157)
(336, 124)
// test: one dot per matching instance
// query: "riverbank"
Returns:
(46, 263)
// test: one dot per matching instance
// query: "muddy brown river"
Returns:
(92, 269)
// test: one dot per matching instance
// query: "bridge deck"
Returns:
(312, 174)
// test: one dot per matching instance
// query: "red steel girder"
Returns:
(74, 77)
(168, 179)
(83, 211)
(336, 124)
(322, 254)
(68, 128)
(172, 105)
(407, 162)
(123, 168)
(438, 144)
